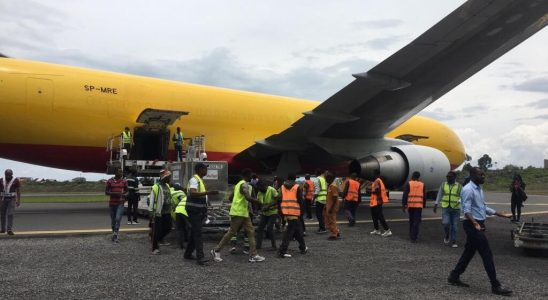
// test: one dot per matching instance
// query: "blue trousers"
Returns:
(450, 221)
(116, 216)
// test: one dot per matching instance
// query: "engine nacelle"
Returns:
(397, 165)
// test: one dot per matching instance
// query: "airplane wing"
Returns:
(379, 100)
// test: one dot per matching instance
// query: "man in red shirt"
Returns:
(10, 196)
(117, 190)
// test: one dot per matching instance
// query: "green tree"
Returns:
(485, 162)
(467, 167)
(510, 169)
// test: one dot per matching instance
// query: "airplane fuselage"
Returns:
(60, 116)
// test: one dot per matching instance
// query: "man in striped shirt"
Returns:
(116, 188)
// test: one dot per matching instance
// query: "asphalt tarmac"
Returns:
(358, 266)
(38, 219)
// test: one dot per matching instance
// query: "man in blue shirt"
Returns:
(475, 212)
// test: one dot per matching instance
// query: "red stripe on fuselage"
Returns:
(86, 159)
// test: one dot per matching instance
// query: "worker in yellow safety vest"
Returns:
(239, 217)
(178, 140)
(160, 211)
(179, 214)
(127, 140)
(378, 198)
(196, 208)
(449, 196)
(351, 196)
(320, 196)
(269, 198)
(413, 200)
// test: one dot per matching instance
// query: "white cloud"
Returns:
(527, 144)
(305, 49)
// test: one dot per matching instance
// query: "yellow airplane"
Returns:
(61, 116)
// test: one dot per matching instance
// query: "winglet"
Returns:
(390, 83)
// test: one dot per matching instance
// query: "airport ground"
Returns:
(358, 266)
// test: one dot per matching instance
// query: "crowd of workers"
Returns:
(289, 202)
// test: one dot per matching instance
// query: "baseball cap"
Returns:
(164, 173)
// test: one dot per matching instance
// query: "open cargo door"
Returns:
(152, 139)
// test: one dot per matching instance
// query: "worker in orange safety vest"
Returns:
(378, 198)
(413, 199)
(308, 188)
(290, 209)
(351, 196)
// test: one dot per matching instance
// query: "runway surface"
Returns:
(88, 218)
(358, 266)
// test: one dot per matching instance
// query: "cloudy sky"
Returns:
(306, 49)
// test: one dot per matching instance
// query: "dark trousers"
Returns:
(182, 226)
(178, 152)
(294, 230)
(350, 209)
(377, 215)
(476, 241)
(268, 223)
(308, 208)
(196, 217)
(160, 228)
(319, 215)
(7, 208)
(301, 219)
(516, 204)
(415, 217)
(132, 208)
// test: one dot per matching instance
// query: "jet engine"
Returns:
(397, 164)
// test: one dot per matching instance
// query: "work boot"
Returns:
(499, 290)
(456, 281)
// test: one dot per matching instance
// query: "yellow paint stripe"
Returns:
(526, 204)
(146, 229)
(423, 219)
(76, 232)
